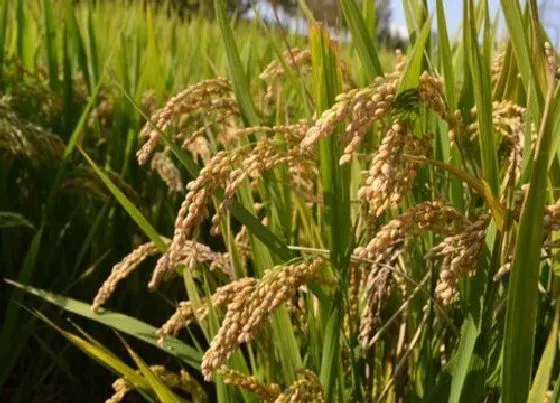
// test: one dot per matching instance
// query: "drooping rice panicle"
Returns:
(182, 381)
(267, 392)
(122, 270)
(308, 389)
(186, 313)
(389, 242)
(163, 165)
(214, 95)
(391, 175)
(460, 255)
(190, 254)
(247, 312)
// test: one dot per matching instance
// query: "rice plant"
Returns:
(337, 228)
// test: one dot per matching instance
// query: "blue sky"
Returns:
(453, 12)
(549, 13)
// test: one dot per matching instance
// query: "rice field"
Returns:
(217, 210)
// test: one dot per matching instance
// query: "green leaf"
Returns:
(522, 302)
(542, 378)
(361, 39)
(130, 208)
(3, 30)
(77, 42)
(238, 78)
(10, 219)
(101, 354)
(162, 391)
(483, 101)
(120, 322)
(411, 76)
(50, 43)
(522, 50)
(335, 180)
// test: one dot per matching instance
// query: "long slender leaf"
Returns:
(238, 77)
(522, 303)
(120, 322)
(130, 208)
(361, 39)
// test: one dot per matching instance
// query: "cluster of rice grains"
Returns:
(210, 100)
(181, 382)
(252, 306)
(306, 389)
(388, 244)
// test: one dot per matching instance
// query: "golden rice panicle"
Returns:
(378, 286)
(387, 245)
(121, 387)
(213, 93)
(189, 254)
(294, 58)
(552, 60)
(265, 156)
(362, 106)
(496, 67)
(430, 91)
(308, 390)
(194, 210)
(552, 217)
(364, 113)
(122, 270)
(352, 314)
(251, 307)
(428, 216)
(460, 254)
(267, 392)
(367, 110)
(19, 137)
(182, 381)
(391, 175)
(185, 313)
(199, 147)
(163, 165)
(508, 123)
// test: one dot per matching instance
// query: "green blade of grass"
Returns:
(92, 48)
(446, 61)
(544, 371)
(9, 219)
(20, 30)
(11, 318)
(522, 301)
(521, 48)
(3, 31)
(79, 48)
(335, 180)
(50, 44)
(239, 80)
(411, 76)
(101, 354)
(120, 322)
(161, 390)
(361, 39)
(130, 208)
(483, 101)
